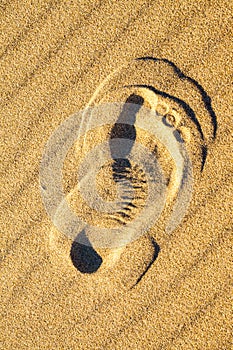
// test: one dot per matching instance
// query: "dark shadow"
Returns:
(83, 256)
(178, 136)
(124, 129)
(156, 253)
(204, 152)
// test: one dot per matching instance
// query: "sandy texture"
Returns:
(161, 291)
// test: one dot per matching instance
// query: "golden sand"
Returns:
(161, 291)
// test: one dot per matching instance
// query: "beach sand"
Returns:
(162, 290)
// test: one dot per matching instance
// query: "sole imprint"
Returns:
(185, 108)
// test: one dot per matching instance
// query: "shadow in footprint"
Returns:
(83, 256)
(155, 255)
(124, 128)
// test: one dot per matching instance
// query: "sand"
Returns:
(161, 290)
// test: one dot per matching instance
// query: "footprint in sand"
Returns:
(146, 107)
